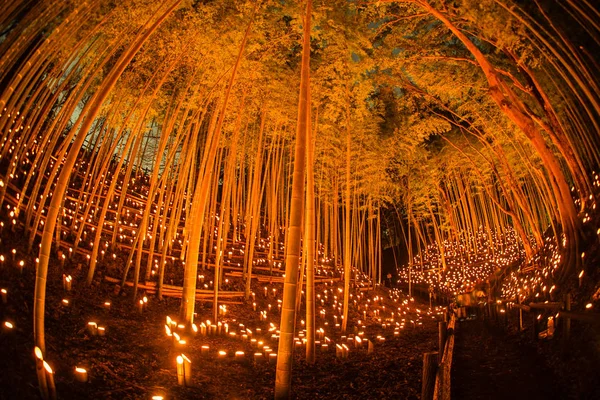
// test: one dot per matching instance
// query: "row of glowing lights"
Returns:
(239, 250)
(205, 328)
(465, 271)
(132, 225)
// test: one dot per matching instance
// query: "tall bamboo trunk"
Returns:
(283, 374)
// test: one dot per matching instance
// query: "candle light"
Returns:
(92, 328)
(101, 331)
(4, 294)
(67, 281)
(7, 326)
(81, 374)
(258, 357)
(170, 322)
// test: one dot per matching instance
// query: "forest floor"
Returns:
(493, 360)
(135, 359)
(490, 365)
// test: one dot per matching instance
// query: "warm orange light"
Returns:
(38, 353)
(48, 368)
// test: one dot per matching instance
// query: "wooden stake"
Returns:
(50, 381)
(520, 315)
(180, 371)
(442, 335)
(567, 328)
(429, 371)
(187, 371)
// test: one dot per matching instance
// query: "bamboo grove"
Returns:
(171, 133)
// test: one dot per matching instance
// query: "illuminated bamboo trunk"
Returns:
(278, 189)
(221, 244)
(335, 242)
(378, 247)
(285, 350)
(347, 231)
(175, 204)
(253, 207)
(309, 238)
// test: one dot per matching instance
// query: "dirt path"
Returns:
(488, 364)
